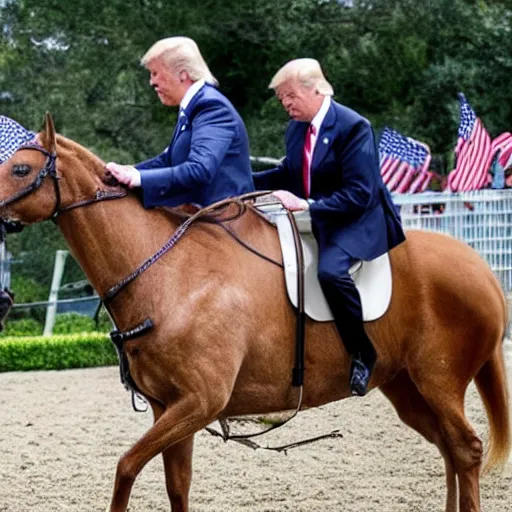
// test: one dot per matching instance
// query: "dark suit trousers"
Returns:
(343, 298)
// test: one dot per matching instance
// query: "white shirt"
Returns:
(318, 120)
(317, 123)
(191, 92)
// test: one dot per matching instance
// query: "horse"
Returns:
(223, 336)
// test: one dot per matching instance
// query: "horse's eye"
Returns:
(21, 170)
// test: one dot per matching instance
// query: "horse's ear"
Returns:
(47, 137)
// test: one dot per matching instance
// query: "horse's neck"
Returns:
(112, 238)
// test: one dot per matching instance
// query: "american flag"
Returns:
(12, 136)
(473, 153)
(404, 162)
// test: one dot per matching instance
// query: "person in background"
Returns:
(207, 159)
(332, 168)
(12, 136)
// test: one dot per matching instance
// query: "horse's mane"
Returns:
(84, 155)
(72, 146)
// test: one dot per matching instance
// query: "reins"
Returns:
(204, 215)
(49, 169)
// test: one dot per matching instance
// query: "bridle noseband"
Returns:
(50, 169)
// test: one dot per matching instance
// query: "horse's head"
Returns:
(47, 176)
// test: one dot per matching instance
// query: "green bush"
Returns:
(104, 322)
(27, 289)
(69, 323)
(22, 327)
(56, 352)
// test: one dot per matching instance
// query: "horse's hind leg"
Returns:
(414, 411)
(461, 440)
(178, 468)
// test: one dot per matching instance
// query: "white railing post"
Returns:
(51, 310)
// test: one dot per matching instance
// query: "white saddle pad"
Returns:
(372, 278)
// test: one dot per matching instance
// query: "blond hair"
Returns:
(307, 71)
(181, 54)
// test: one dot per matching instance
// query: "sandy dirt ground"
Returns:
(61, 434)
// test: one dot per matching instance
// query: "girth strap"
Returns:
(118, 339)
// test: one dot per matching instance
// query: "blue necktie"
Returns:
(181, 122)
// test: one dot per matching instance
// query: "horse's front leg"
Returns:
(178, 473)
(174, 428)
(178, 468)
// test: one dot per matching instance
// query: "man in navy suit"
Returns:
(208, 157)
(332, 168)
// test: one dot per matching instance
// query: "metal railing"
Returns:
(482, 219)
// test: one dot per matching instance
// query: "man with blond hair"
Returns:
(332, 168)
(207, 159)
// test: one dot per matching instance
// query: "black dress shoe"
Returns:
(359, 378)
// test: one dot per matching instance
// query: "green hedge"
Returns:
(65, 323)
(56, 352)
(22, 327)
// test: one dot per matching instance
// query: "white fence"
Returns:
(482, 219)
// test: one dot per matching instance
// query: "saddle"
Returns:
(373, 278)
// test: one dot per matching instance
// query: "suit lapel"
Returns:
(175, 132)
(325, 138)
(296, 145)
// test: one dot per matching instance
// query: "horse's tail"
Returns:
(491, 382)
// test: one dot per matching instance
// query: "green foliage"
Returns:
(56, 352)
(68, 323)
(104, 322)
(27, 289)
(65, 323)
(399, 62)
(34, 254)
(22, 327)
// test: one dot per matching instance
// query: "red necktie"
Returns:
(306, 160)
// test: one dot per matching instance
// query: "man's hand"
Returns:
(290, 201)
(125, 174)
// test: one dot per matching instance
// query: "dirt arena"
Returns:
(61, 434)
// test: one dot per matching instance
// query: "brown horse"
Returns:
(223, 337)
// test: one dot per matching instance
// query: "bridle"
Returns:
(50, 169)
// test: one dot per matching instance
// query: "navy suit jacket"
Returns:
(351, 207)
(207, 159)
